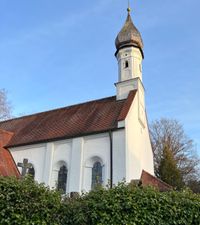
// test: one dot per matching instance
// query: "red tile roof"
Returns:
(7, 164)
(126, 106)
(72, 121)
(149, 180)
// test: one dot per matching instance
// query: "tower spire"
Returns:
(129, 34)
(129, 54)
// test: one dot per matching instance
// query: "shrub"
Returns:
(130, 205)
(24, 202)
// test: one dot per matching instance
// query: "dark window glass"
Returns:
(96, 174)
(31, 171)
(62, 179)
(126, 64)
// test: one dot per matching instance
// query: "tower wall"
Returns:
(129, 63)
(129, 70)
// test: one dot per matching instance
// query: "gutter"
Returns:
(111, 158)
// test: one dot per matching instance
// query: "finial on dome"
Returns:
(129, 8)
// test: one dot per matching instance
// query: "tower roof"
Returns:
(129, 35)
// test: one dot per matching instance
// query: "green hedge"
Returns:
(25, 202)
(129, 205)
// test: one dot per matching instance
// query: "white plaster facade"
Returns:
(78, 154)
(129, 70)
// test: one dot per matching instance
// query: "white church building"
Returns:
(77, 147)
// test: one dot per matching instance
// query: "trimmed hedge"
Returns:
(130, 205)
(25, 202)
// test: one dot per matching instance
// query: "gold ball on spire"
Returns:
(128, 9)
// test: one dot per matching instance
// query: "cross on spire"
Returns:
(25, 166)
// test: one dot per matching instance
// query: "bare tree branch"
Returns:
(5, 106)
(170, 133)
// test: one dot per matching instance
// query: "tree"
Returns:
(170, 133)
(194, 185)
(168, 170)
(5, 107)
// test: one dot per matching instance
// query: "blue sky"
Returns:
(57, 53)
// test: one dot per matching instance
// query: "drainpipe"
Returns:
(111, 159)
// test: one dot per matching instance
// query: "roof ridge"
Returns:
(56, 109)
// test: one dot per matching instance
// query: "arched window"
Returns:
(96, 174)
(62, 179)
(31, 171)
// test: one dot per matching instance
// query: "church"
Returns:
(77, 147)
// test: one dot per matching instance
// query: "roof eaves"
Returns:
(62, 138)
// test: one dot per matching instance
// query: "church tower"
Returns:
(129, 53)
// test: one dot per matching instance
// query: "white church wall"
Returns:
(80, 154)
(138, 147)
(48, 160)
(96, 148)
(75, 178)
(119, 159)
(147, 162)
(61, 156)
(133, 152)
(35, 154)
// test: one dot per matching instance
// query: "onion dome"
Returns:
(129, 35)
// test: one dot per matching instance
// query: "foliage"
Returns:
(5, 107)
(24, 202)
(168, 170)
(168, 133)
(131, 205)
(194, 185)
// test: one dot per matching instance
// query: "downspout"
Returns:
(111, 159)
